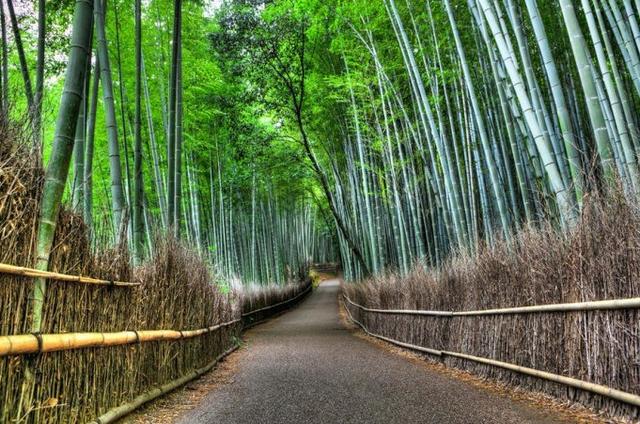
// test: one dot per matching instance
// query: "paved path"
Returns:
(306, 367)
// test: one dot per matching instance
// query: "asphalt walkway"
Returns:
(306, 367)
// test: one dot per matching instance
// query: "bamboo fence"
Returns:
(599, 389)
(41, 343)
(122, 410)
(118, 412)
(36, 343)
(255, 311)
(262, 309)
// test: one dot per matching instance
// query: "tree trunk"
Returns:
(4, 66)
(88, 153)
(42, 20)
(173, 99)
(117, 193)
(58, 167)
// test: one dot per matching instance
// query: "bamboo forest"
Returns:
(319, 211)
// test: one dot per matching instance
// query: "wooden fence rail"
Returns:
(598, 305)
(40, 343)
(630, 398)
(31, 272)
(255, 311)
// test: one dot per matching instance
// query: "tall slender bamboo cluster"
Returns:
(106, 127)
(264, 242)
(429, 127)
(499, 117)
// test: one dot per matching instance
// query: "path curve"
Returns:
(306, 367)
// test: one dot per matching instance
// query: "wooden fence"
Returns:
(30, 344)
(619, 395)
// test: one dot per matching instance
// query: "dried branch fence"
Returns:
(35, 343)
(257, 315)
(605, 305)
(163, 322)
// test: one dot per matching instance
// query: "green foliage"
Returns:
(360, 117)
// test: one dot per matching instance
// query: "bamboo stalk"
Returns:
(599, 389)
(40, 343)
(114, 414)
(30, 272)
(279, 303)
(598, 305)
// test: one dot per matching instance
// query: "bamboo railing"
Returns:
(598, 305)
(31, 272)
(599, 389)
(255, 311)
(41, 343)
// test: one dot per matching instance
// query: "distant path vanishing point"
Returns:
(307, 367)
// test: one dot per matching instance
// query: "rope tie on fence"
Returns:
(38, 336)
(137, 336)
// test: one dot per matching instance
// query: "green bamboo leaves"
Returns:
(412, 129)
